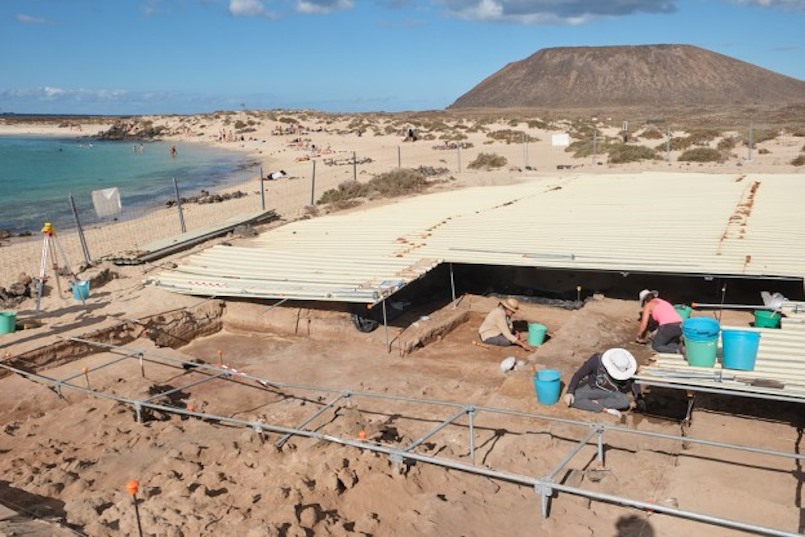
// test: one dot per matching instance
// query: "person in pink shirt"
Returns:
(668, 337)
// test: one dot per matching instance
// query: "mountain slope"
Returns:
(653, 75)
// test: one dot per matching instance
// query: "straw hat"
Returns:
(510, 304)
(645, 293)
(619, 363)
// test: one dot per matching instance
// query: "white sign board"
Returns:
(560, 140)
(106, 202)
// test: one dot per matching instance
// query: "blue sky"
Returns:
(198, 56)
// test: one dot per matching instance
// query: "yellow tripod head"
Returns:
(47, 229)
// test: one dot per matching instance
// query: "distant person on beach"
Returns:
(173, 151)
(498, 329)
(602, 382)
(659, 313)
(273, 176)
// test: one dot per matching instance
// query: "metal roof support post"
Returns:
(452, 285)
(600, 455)
(470, 415)
(262, 191)
(179, 206)
(386, 327)
(313, 186)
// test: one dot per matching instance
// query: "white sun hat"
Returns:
(619, 363)
(508, 364)
(645, 293)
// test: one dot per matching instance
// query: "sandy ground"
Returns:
(66, 461)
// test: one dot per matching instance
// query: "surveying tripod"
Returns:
(51, 247)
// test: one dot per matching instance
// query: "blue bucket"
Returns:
(81, 290)
(700, 329)
(739, 349)
(548, 384)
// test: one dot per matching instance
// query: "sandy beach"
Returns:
(304, 144)
(67, 460)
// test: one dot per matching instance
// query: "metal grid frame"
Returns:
(544, 486)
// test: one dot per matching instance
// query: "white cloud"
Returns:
(784, 4)
(50, 93)
(323, 7)
(29, 19)
(552, 11)
(247, 8)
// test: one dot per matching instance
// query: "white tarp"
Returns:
(560, 140)
(106, 202)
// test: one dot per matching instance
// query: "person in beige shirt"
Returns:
(497, 328)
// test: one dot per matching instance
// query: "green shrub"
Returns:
(727, 143)
(388, 185)
(763, 151)
(345, 191)
(620, 154)
(799, 161)
(651, 133)
(487, 161)
(510, 136)
(538, 124)
(584, 148)
(799, 132)
(703, 136)
(398, 183)
(701, 154)
(761, 135)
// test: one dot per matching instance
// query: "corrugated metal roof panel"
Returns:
(722, 225)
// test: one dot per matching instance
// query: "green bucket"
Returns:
(683, 310)
(701, 353)
(536, 334)
(8, 322)
(767, 319)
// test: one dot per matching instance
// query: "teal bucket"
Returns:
(701, 353)
(739, 349)
(700, 329)
(767, 319)
(8, 322)
(548, 384)
(683, 310)
(81, 291)
(536, 334)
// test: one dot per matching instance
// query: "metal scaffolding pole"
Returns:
(281, 442)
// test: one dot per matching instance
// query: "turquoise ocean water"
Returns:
(37, 174)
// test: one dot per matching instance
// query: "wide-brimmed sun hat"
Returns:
(510, 304)
(645, 293)
(619, 363)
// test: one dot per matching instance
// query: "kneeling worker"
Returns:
(601, 383)
(497, 328)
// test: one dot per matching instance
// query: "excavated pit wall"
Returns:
(173, 328)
